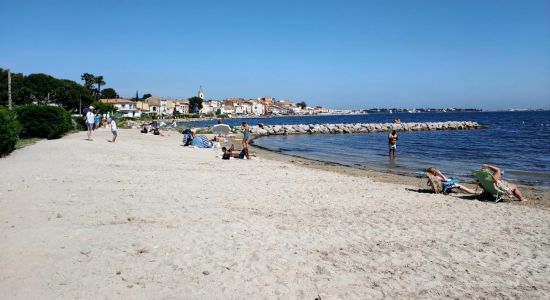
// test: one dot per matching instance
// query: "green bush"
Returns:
(79, 123)
(9, 129)
(43, 121)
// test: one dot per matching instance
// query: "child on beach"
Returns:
(114, 130)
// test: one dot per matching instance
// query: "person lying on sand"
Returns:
(228, 153)
(503, 185)
(444, 178)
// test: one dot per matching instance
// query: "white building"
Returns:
(258, 108)
(127, 107)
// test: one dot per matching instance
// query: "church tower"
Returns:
(201, 93)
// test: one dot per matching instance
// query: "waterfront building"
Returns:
(127, 107)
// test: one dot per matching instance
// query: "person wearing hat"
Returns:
(90, 120)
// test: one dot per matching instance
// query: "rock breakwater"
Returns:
(361, 127)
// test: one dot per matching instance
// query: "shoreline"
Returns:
(537, 196)
(147, 218)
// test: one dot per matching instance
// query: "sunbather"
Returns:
(503, 185)
(228, 153)
(444, 179)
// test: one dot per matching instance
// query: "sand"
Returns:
(146, 218)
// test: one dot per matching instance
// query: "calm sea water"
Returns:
(518, 142)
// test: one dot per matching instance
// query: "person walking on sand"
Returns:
(97, 118)
(246, 135)
(90, 121)
(114, 130)
(392, 141)
(503, 185)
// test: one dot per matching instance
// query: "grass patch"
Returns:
(22, 143)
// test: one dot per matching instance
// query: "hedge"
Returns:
(43, 121)
(9, 129)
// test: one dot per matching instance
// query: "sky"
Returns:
(339, 54)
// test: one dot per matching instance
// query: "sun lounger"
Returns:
(439, 186)
(486, 181)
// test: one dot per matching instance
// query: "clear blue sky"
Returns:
(441, 53)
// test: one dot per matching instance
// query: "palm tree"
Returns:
(99, 81)
(89, 81)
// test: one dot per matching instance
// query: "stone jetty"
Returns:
(361, 127)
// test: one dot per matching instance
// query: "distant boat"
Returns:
(391, 112)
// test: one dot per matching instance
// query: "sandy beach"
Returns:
(146, 218)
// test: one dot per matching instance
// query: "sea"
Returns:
(517, 142)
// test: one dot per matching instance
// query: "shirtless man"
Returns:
(392, 141)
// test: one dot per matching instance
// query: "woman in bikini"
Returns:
(503, 185)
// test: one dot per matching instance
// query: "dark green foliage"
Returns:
(43, 121)
(302, 104)
(104, 108)
(89, 81)
(16, 88)
(195, 104)
(79, 123)
(145, 96)
(9, 129)
(99, 81)
(43, 89)
(109, 93)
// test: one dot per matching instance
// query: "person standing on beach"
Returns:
(392, 141)
(90, 120)
(113, 130)
(246, 134)
(97, 118)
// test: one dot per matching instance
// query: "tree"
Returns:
(99, 81)
(89, 81)
(302, 104)
(109, 93)
(44, 89)
(195, 104)
(16, 86)
(145, 96)
(218, 111)
(104, 107)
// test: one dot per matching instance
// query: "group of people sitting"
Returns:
(151, 129)
(441, 183)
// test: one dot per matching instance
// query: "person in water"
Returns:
(503, 185)
(246, 135)
(392, 141)
(437, 173)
